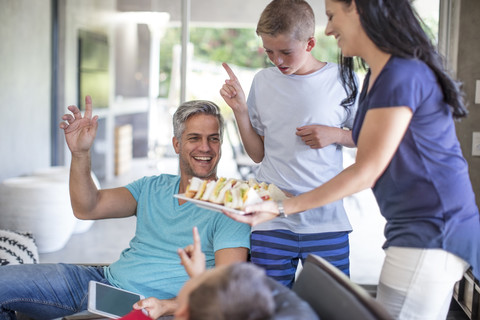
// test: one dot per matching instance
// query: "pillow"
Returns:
(17, 248)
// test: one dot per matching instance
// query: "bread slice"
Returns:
(276, 193)
(219, 198)
(193, 187)
(201, 190)
(252, 197)
(208, 190)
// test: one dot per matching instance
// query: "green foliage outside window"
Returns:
(242, 47)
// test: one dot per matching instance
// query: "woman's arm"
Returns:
(380, 136)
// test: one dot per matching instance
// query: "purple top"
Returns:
(425, 194)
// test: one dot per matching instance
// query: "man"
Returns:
(150, 266)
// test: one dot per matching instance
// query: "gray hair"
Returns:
(190, 108)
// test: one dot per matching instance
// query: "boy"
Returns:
(237, 291)
(293, 124)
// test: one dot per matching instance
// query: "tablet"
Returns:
(110, 301)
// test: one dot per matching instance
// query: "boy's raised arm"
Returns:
(234, 96)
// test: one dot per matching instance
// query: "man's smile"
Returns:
(202, 158)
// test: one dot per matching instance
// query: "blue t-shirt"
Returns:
(425, 194)
(151, 265)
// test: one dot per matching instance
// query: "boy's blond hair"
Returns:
(290, 17)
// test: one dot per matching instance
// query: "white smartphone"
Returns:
(110, 301)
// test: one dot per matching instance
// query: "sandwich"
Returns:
(233, 193)
(251, 197)
(234, 196)
(276, 193)
(216, 190)
(233, 199)
(193, 187)
(252, 182)
(201, 190)
(208, 190)
(218, 195)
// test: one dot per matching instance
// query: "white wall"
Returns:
(25, 64)
(468, 72)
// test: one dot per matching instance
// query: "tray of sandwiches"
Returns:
(230, 195)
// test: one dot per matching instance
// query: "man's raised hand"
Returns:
(80, 131)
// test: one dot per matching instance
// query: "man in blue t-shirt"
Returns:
(150, 266)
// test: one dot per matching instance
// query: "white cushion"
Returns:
(17, 248)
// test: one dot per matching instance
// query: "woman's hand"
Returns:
(256, 213)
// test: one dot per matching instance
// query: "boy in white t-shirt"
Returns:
(293, 124)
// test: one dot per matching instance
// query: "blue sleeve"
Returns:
(230, 234)
(402, 83)
(136, 187)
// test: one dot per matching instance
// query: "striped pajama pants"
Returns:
(279, 251)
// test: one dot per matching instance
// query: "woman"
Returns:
(408, 153)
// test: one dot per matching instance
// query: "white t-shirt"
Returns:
(278, 104)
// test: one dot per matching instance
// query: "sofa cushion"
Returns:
(288, 305)
(17, 248)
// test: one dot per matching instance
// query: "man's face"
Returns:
(200, 147)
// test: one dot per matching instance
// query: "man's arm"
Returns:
(234, 96)
(87, 201)
(230, 255)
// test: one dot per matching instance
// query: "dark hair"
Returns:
(240, 292)
(395, 28)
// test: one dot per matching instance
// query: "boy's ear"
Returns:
(311, 43)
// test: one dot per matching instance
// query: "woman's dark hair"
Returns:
(395, 28)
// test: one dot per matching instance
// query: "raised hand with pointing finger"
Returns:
(234, 96)
(80, 131)
(232, 92)
(192, 258)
